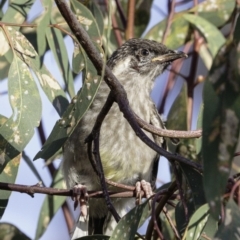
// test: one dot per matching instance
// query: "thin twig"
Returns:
(180, 190)
(102, 179)
(167, 133)
(159, 208)
(121, 14)
(171, 223)
(169, 20)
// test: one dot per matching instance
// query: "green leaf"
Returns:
(180, 216)
(217, 12)
(75, 111)
(50, 86)
(30, 164)
(209, 229)
(10, 232)
(42, 26)
(80, 103)
(8, 175)
(86, 18)
(229, 229)
(197, 223)
(221, 121)
(17, 11)
(179, 32)
(194, 179)
(127, 226)
(177, 116)
(50, 205)
(142, 17)
(214, 37)
(25, 101)
(98, 16)
(95, 237)
(58, 47)
(78, 63)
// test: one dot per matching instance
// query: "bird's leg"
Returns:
(80, 197)
(147, 189)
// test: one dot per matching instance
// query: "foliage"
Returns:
(196, 205)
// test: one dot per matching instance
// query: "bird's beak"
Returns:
(169, 57)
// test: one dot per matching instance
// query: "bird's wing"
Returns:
(156, 120)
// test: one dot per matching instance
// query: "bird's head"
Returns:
(144, 57)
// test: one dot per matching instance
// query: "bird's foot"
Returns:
(80, 197)
(147, 189)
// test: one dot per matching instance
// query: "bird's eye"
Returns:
(144, 52)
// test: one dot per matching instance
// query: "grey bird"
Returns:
(125, 158)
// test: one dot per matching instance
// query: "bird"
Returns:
(125, 158)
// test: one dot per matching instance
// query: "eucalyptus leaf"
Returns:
(50, 205)
(214, 37)
(221, 121)
(26, 105)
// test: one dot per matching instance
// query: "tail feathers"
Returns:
(96, 225)
(81, 227)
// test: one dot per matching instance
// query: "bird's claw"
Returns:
(145, 187)
(80, 197)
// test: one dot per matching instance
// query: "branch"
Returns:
(130, 19)
(167, 133)
(171, 10)
(37, 188)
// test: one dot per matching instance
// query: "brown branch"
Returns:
(121, 14)
(31, 190)
(167, 133)
(117, 89)
(177, 235)
(115, 27)
(160, 207)
(171, 10)
(130, 19)
(176, 67)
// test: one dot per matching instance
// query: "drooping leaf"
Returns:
(221, 121)
(194, 179)
(178, 32)
(50, 86)
(50, 205)
(209, 229)
(127, 226)
(75, 111)
(96, 12)
(86, 18)
(197, 223)
(17, 11)
(216, 12)
(213, 36)
(10, 232)
(42, 26)
(8, 175)
(229, 229)
(58, 47)
(25, 101)
(80, 103)
(177, 116)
